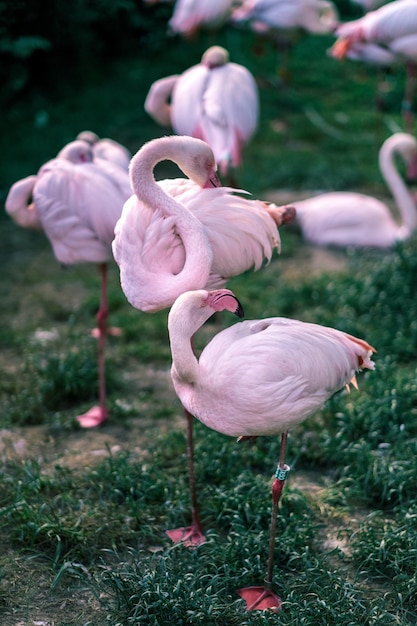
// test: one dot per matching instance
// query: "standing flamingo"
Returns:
(345, 218)
(190, 16)
(107, 149)
(392, 26)
(216, 101)
(181, 234)
(258, 377)
(77, 207)
(283, 20)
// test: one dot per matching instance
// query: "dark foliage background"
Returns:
(47, 45)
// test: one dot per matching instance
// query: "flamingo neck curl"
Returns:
(153, 281)
(404, 145)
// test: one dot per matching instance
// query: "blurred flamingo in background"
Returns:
(256, 378)
(393, 27)
(370, 5)
(188, 233)
(283, 20)
(107, 149)
(216, 101)
(189, 16)
(77, 207)
(345, 218)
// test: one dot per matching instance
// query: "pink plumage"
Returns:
(182, 234)
(216, 101)
(347, 218)
(77, 203)
(257, 377)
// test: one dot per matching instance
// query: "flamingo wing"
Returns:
(283, 368)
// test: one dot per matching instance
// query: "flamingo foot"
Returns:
(113, 331)
(260, 599)
(190, 536)
(96, 416)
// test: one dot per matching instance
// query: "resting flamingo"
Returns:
(256, 378)
(392, 26)
(77, 207)
(345, 218)
(107, 149)
(216, 101)
(182, 234)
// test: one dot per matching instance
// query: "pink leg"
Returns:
(262, 597)
(191, 536)
(97, 415)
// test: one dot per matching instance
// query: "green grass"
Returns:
(83, 515)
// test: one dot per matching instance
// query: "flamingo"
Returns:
(77, 207)
(392, 26)
(282, 19)
(215, 100)
(258, 378)
(178, 234)
(107, 149)
(344, 218)
(189, 16)
(181, 234)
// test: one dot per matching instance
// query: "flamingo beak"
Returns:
(340, 48)
(212, 181)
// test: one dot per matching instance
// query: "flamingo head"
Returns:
(77, 152)
(216, 56)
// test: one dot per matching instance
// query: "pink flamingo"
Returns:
(77, 207)
(107, 149)
(190, 16)
(216, 101)
(256, 378)
(182, 234)
(392, 26)
(282, 20)
(346, 218)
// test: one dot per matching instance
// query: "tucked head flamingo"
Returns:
(216, 101)
(256, 378)
(107, 149)
(183, 234)
(347, 218)
(77, 206)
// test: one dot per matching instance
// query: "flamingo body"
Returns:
(257, 377)
(314, 16)
(383, 25)
(354, 219)
(77, 205)
(216, 101)
(191, 15)
(176, 235)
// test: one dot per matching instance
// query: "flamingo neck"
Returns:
(183, 323)
(399, 190)
(162, 289)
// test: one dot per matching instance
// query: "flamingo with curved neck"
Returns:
(256, 378)
(353, 219)
(181, 234)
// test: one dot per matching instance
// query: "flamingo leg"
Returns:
(191, 536)
(97, 415)
(262, 597)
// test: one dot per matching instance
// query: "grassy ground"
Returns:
(83, 514)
